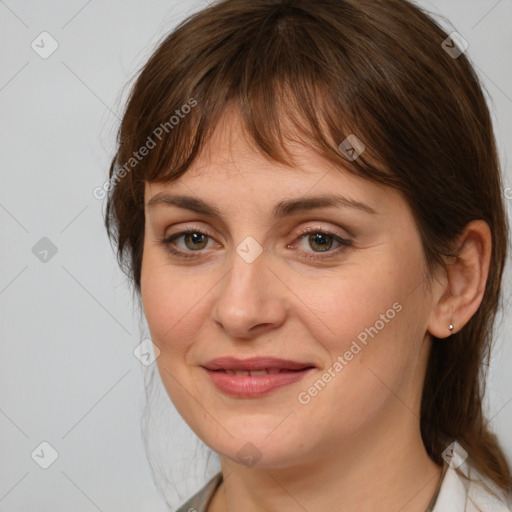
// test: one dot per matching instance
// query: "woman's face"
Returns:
(250, 284)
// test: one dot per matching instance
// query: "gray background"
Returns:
(68, 375)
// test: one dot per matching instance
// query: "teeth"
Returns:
(267, 371)
(245, 373)
(242, 373)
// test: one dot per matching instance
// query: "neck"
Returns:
(362, 474)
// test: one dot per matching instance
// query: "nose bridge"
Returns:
(247, 297)
(243, 287)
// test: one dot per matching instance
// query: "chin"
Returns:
(254, 447)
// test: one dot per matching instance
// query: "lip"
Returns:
(250, 386)
(254, 363)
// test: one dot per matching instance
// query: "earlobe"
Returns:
(459, 295)
(442, 321)
(451, 326)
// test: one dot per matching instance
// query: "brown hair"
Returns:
(377, 69)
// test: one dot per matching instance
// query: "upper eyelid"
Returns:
(325, 256)
(303, 232)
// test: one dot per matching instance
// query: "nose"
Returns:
(250, 298)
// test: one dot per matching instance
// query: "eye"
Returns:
(319, 239)
(193, 239)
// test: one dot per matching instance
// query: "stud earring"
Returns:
(451, 323)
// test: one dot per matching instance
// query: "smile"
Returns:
(254, 383)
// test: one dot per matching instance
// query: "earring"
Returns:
(451, 323)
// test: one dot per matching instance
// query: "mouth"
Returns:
(265, 363)
(265, 371)
(254, 377)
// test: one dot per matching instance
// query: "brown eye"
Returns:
(321, 241)
(194, 241)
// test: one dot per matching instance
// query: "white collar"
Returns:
(457, 494)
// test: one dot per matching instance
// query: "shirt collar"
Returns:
(457, 493)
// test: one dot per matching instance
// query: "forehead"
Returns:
(230, 169)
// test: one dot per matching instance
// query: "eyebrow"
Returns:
(282, 209)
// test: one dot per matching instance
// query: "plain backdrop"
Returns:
(71, 387)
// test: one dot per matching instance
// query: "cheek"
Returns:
(350, 306)
(169, 301)
(369, 324)
(169, 310)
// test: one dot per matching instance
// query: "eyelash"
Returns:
(345, 244)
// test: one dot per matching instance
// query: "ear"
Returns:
(459, 293)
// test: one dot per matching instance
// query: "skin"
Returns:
(356, 445)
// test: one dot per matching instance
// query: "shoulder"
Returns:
(199, 501)
(466, 490)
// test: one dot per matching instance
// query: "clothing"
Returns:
(459, 494)
(200, 501)
(453, 494)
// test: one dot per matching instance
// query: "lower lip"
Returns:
(245, 386)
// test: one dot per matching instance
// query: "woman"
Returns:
(307, 199)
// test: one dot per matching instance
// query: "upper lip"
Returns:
(254, 363)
